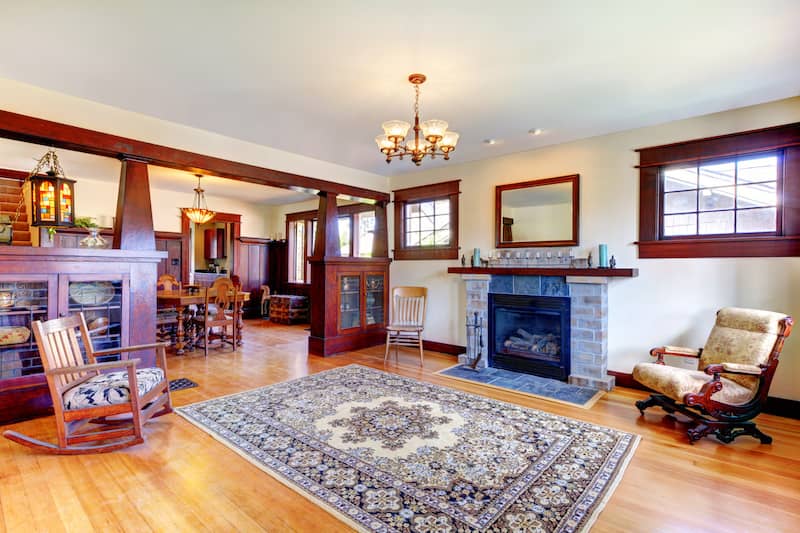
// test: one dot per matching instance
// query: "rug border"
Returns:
(588, 405)
(312, 498)
(612, 488)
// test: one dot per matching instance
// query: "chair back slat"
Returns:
(222, 294)
(59, 346)
(167, 282)
(408, 306)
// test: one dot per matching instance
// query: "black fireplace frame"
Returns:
(549, 305)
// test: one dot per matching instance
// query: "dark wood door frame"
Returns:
(186, 236)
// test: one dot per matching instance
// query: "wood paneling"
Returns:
(253, 262)
(182, 479)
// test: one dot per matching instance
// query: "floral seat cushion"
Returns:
(678, 382)
(111, 388)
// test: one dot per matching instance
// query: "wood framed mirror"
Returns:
(540, 212)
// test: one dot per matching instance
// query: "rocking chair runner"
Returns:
(735, 370)
(84, 398)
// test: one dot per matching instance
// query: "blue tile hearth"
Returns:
(502, 284)
(528, 285)
(545, 387)
(554, 286)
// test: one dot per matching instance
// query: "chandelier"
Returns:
(431, 138)
(199, 212)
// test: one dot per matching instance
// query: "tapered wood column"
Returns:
(326, 241)
(380, 239)
(133, 229)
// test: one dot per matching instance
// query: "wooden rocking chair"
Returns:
(84, 399)
(731, 383)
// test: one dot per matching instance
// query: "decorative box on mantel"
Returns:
(587, 290)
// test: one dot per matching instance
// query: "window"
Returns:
(722, 197)
(356, 227)
(731, 196)
(426, 222)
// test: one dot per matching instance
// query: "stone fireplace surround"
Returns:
(589, 317)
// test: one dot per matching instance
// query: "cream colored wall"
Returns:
(673, 300)
(541, 222)
(30, 100)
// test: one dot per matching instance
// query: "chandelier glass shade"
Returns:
(430, 137)
(199, 212)
(52, 194)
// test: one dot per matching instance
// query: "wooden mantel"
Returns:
(548, 271)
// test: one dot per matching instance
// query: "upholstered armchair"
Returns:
(734, 372)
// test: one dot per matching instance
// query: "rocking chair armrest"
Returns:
(128, 349)
(131, 363)
(734, 368)
(660, 351)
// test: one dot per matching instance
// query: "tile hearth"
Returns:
(588, 309)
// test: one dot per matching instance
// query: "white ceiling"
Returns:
(318, 77)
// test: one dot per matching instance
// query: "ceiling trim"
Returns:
(36, 130)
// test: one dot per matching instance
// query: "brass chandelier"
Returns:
(431, 138)
(199, 213)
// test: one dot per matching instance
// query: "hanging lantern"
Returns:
(52, 195)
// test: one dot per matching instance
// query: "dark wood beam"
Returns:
(133, 229)
(41, 131)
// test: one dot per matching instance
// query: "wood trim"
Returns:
(576, 196)
(420, 254)
(532, 271)
(168, 235)
(186, 245)
(302, 215)
(425, 192)
(48, 133)
(727, 145)
(10, 174)
(727, 247)
(443, 347)
(254, 240)
(774, 406)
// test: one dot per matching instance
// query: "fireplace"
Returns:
(530, 334)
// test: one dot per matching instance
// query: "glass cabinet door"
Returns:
(373, 307)
(349, 302)
(101, 303)
(21, 302)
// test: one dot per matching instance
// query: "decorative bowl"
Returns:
(13, 334)
(91, 292)
(6, 299)
(98, 325)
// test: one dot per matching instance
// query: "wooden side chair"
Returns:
(84, 398)
(731, 383)
(265, 297)
(218, 314)
(407, 319)
(167, 317)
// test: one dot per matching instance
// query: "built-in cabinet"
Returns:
(355, 291)
(115, 289)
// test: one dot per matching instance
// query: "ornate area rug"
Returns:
(388, 453)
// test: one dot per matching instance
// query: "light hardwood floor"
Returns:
(181, 479)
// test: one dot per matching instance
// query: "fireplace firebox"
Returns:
(530, 334)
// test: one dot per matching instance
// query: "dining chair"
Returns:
(167, 317)
(218, 314)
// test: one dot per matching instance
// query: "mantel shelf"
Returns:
(548, 271)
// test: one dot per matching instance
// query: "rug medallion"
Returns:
(387, 453)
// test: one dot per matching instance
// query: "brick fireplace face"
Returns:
(588, 331)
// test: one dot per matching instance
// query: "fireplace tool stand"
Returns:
(474, 341)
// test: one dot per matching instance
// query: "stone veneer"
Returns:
(588, 316)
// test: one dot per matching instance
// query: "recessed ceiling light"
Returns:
(492, 142)
(536, 131)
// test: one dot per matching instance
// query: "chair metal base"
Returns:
(725, 431)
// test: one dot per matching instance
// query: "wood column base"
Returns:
(343, 343)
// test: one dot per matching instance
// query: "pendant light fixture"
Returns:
(199, 212)
(431, 137)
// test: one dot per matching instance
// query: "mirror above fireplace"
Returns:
(537, 213)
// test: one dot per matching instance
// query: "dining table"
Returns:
(185, 297)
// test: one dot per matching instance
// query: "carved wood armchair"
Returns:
(734, 372)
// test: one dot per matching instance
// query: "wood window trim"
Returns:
(785, 139)
(435, 191)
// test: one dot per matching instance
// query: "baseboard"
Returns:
(774, 406)
(443, 347)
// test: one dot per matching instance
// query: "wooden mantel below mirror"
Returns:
(548, 271)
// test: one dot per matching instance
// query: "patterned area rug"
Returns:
(530, 385)
(180, 384)
(388, 453)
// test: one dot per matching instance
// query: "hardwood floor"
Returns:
(181, 479)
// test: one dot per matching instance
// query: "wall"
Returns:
(673, 301)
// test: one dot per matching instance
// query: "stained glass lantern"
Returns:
(53, 199)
